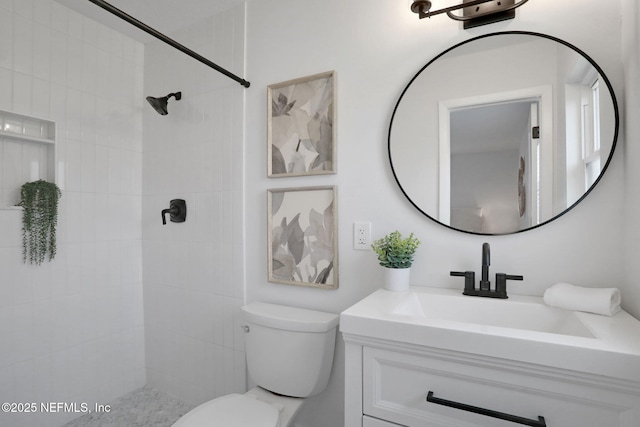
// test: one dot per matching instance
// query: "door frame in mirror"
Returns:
(445, 107)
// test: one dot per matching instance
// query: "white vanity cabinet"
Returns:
(436, 358)
(387, 384)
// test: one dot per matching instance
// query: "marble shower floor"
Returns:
(144, 407)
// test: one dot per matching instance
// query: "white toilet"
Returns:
(289, 356)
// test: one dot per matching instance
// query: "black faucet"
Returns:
(485, 290)
(485, 284)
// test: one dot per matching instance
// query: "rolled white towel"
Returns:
(604, 301)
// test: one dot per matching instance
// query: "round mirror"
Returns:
(503, 133)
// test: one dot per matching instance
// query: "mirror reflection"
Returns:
(503, 133)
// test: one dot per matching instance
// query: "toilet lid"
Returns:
(233, 410)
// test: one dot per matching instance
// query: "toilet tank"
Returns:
(289, 350)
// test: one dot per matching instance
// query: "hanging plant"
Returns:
(39, 199)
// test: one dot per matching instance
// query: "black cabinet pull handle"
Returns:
(540, 422)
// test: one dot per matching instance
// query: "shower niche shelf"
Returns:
(25, 128)
(28, 150)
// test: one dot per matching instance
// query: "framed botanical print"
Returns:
(302, 227)
(301, 131)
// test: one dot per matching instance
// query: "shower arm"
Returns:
(144, 27)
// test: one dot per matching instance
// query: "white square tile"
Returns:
(41, 100)
(60, 372)
(126, 171)
(58, 57)
(115, 266)
(6, 89)
(58, 112)
(22, 44)
(87, 222)
(88, 167)
(103, 60)
(41, 51)
(42, 328)
(102, 122)
(59, 15)
(22, 341)
(74, 63)
(102, 268)
(227, 270)
(240, 371)
(40, 277)
(116, 44)
(88, 118)
(136, 160)
(74, 326)
(6, 40)
(42, 378)
(7, 358)
(23, 8)
(90, 31)
(42, 12)
(73, 204)
(228, 320)
(22, 93)
(73, 168)
(74, 114)
(23, 380)
(101, 218)
(75, 24)
(229, 380)
(89, 67)
(58, 281)
(117, 88)
(115, 170)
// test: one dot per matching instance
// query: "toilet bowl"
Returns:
(289, 356)
(256, 408)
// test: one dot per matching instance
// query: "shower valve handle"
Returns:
(177, 211)
(165, 212)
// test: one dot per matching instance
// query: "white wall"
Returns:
(375, 48)
(194, 271)
(72, 329)
(631, 129)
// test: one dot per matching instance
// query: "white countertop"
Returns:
(440, 318)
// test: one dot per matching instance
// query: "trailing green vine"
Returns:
(39, 199)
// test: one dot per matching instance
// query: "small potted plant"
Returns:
(396, 255)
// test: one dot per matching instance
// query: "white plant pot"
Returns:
(397, 279)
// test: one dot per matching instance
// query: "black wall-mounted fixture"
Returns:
(474, 12)
(160, 104)
(155, 33)
(177, 211)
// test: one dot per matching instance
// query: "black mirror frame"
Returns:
(605, 79)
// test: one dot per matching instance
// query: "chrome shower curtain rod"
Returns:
(144, 27)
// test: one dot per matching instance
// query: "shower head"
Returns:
(160, 104)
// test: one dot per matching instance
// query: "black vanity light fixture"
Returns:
(474, 12)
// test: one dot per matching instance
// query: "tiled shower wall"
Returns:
(194, 271)
(72, 330)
